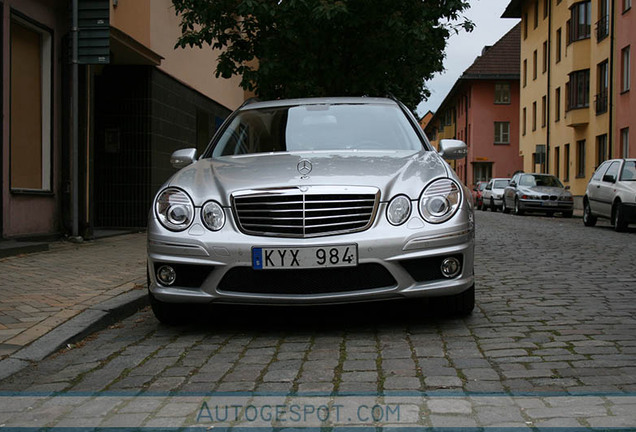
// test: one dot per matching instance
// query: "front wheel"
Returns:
(459, 304)
(493, 207)
(589, 219)
(620, 224)
(518, 210)
(504, 207)
(168, 313)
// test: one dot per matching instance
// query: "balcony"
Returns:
(602, 28)
(577, 117)
(600, 102)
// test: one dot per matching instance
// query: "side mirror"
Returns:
(184, 157)
(567, 187)
(512, 184)
(452, 149)
(609, 178)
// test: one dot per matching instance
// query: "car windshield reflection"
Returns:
(532, 180)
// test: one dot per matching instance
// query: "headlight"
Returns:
(440, 201)
(399, 210)
(174, 209)
(213, 216)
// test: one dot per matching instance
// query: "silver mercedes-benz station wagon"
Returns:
(313, 201)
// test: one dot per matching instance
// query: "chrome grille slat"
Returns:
(319, 211)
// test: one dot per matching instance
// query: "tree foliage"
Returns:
(303, 48)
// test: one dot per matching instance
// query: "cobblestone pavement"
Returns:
(552, 343)
(42, 290)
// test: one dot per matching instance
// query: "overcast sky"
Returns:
(463, 49)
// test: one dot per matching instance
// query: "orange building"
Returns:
(482, 110)
(139, 100)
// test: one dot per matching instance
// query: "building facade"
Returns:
(575, 77)
(135, 108)
(481, 110)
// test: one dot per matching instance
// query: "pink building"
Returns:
(625, 72)
(482, 109)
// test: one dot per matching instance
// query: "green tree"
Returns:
(303, 48)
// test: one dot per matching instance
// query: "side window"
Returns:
(489, 185)
(613, 170)
(598, 175)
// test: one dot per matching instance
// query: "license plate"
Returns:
(550, 203)
(304, 257)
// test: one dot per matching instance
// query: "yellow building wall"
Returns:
(569, 127)
(133, 18)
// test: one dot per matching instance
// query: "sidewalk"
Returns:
(48, 299)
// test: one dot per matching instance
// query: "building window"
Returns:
(580, 159)
(502, 93)
(534, 116)
(524, 121)
(603, 23)
(625, 69)
(557, 104)
(544, 112)
(580, 21)
(525, 26)
(627, 5)
(536, 14)
(525, 72)
(625, 142)
(31, 89)
(545, 57)
(579, 90)
(502, 132)
(557, 162)
(602, 85)
(558, 45)
(546, 5)
(534, 65)
(601, 149)
(566, 163)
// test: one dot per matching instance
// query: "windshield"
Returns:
(531, 180)
(318, 127)
(629, 171)
(500, 184)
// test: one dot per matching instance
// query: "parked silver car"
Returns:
(313, 201)
(537, 193)
(493, 193)
(611, 194)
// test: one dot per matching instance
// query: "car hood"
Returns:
(393, 172)
(545, 190)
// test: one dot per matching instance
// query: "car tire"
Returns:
(589, 219)
(618, 218)
(458, 305)
(518, 210)
(493, 207)
(168, 313)
(504, 208)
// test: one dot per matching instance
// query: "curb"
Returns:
(92, 319)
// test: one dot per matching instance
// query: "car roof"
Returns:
(500, 178)
(318, 101)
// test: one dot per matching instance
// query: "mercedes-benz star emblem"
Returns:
(304, 167)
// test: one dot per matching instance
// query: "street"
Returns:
(554, 317)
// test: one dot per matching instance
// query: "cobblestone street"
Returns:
(554, 318)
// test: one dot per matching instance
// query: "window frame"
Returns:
(580, 159)
(47, 53)
(626, 61)
(580, 21)
(579, 90)
(502, 128)
(503, 93)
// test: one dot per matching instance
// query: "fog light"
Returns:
(451, 267)
(166, 275)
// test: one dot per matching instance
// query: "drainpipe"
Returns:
(610, 81)
(75, 125)
(548, 95)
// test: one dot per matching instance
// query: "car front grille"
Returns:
(364, 277)
(316, 211)
(549, 197)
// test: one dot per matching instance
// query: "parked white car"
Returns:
(493, 194)
(611, 194)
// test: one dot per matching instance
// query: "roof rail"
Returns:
(250, 101)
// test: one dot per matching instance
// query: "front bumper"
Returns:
(547, 206)
(393, 262)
